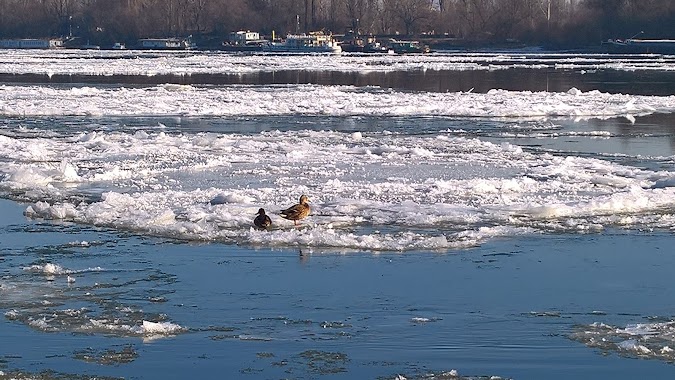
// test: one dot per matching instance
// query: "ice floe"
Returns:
(382, 191)
(144, 63)
(252, 100)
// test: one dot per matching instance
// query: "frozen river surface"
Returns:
(492, 214)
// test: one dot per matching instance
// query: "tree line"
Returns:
(564, 23)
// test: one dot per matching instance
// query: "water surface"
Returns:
(474, 215)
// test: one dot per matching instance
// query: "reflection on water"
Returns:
(651, 135)
(645, 136)
(538, 79)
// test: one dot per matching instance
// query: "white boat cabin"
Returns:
(243, 37)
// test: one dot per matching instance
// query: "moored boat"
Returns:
(359, 44)
(244, 41)
(406, 47)
(166, 43)
(31, 43)
(640, 46)
(316, 42)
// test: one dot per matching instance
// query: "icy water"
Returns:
(487, 215)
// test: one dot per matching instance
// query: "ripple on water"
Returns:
(51, 375)
(447, 375)
(651, 340)
(110, 356)
(107, 302)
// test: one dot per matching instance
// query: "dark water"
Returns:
(657, 83)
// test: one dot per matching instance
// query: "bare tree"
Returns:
(361, 16)
(354, 10)
(561, 21)
(61, 13)
(409, 12)
(477, 16)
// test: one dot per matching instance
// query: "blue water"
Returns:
(504, 309)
